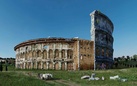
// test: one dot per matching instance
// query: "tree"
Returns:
(135, 56)
(123, 58)
(128, 57)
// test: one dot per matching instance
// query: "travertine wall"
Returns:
(86, 54)
(58, 54)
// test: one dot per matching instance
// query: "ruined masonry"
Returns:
(70, 53)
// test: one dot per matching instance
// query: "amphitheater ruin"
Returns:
(70, 53)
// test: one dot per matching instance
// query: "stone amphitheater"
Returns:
(70, 53)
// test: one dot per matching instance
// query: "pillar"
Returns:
(41, 65)
(60, 54)
(74, 66)
(47, 65)
(31, 65)
(65, 65)
(65, 53)
(36, 65)
(53, 65)
(47, 54)
(59, 65)
(53, 54)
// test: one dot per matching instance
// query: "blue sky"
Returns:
(21, 20)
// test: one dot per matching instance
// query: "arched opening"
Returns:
(44, 65)
(56, 53)
(38, 53)
(63, 54)
(26, 49)
(44, 54)
(70, 66)
(34, 54)
(50, 65)
(45, 47)
(27, 55)
(50, 53)
(57, 66)
(69, 54)
(30, 54)
(63, 66)
(39, 65)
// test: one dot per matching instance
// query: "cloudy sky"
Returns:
(21, 20)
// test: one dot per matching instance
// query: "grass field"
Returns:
(16, 77)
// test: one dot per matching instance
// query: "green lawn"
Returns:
(67, 78)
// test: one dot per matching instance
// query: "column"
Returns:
(53, 65)
(53, 54)
(36, 65)
(47, 54)
(59, 65)
(47, 65)
(66, 54)
(31, 65)
(65, 65)
(60, 54)
(41, 65)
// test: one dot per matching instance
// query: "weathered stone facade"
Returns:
(101, 34)
(70, 54)
(54, 53)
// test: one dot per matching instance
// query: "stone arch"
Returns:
(51, 65)
(44, 54)
(26, 49)
(69, 54)
(70, 66)
(30, 54)
(29, 65)
(39, 53)
(56, 53)
(34, 53)
(25, 55)
(63, 53)
(44, 65)
(39, 65)
(56, 66)
(102, 52)
(35, 65)
(62, 66)
(20, 55)
(50, 53)
(45, 47)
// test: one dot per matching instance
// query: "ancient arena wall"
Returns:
(51, 53)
